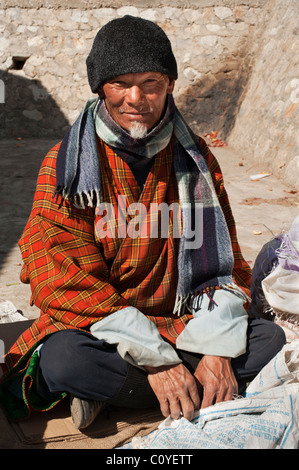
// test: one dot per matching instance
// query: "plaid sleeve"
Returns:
(241, 270)
(63, 264)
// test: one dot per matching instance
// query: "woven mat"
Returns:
(113, 427)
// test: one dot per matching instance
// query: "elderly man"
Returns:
(131, 315)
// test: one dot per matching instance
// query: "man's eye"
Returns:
(118, 84)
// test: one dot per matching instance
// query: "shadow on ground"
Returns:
(28, 111)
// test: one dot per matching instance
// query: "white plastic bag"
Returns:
(9, 313)
(266, 418)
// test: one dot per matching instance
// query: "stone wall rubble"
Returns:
(236, 67)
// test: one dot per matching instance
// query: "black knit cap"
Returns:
(129, 45)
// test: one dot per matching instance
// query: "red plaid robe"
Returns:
(67, 264)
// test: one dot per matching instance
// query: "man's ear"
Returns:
(100, 92)
(170, 87)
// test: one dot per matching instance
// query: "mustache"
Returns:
(137, 109)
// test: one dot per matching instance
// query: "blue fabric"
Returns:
(264, 264)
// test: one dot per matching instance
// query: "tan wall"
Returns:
(210, 41)
(267, 124)
(237, 59)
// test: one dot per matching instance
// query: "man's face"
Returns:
(137, 98)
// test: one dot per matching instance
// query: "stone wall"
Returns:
(43, 48)
(266, 128)
(237, 59)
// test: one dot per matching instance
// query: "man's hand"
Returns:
(176, 390)
(215, 375)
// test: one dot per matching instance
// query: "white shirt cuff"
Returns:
(137, 339)
(219, 332)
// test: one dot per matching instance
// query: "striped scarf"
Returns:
(202, 266)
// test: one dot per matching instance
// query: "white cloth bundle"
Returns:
(281, 286)
(266, 418)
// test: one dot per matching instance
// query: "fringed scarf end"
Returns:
(291, 318)
(193, 302)
(179, 305)
(60, 193)
(80, 200)
(236, 290)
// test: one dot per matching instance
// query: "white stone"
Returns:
(76, 15)
(191, 74)
(149, 14)
(170, 12)
(240, 26)
(32, 29)
(79, 44)
(18, 73)
(21, 28)
(7, 64)
(38, 92)
(35, 60)
(193, 16)
(122, 11)
(79, 16)
(84, 17)
(72, 115)
(35, 41)
(223, 12)
(65, 93)
(4, 43)
(213, 27)
(273, 31)
(63, 71)
(186, 58)
(209, 41)
(34, 115)
(77, 77)
(29, 70)
(103, 13)
(292, 170)
(50, 82)
(294, 83)
(14, 13)
(294, 98)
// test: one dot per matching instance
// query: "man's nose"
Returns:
(135, 96)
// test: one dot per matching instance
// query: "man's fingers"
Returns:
(187, 402)
(175, 409)
(194, 395)
(180, 403)
(176, 390)
(216, 376)
(213, 394)
(209, 395)
(188, 409)
(165, 408)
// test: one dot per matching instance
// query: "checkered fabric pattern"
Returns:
(77, 278)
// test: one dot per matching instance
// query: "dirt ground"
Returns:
(261, 208)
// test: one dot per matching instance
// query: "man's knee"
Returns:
(268, 333)
(76, 362)
(266, 339)
(60, 358)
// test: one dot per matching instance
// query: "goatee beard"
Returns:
(137, 130)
